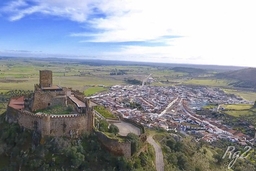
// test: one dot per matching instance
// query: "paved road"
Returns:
(159, 154)
(170, 105)
(203, 121)
(125, 128)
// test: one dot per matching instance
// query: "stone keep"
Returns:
(45, 78)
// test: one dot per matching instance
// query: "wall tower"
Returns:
(46, 125)
(89, 113)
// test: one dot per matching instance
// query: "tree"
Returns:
(103, 125)
(77, 160)
(75, 155)
(113, 129)
(135, 142)
(171, 143)
(183, 162)
(254, 105)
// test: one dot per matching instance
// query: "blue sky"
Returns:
(198, 32)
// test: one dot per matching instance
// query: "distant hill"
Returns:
(102, 62)
(190, 71)
(244, 78)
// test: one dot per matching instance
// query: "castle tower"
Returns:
(45, 79)
(90, 115)
(46, 125)
(255, 134)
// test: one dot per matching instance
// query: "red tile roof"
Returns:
(17, 103)
(76, 101)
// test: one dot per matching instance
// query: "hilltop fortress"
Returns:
(32, 112)
(28, 112)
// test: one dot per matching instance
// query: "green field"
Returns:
(238, 110)
(207, 82)
(210, 106)
(23, 73)
(248, 95)
(92, 90)
(237, 107)
(236, 113)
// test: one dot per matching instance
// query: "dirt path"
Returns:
(159, 154)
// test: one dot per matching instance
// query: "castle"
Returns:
(29, 112)
(26, 110)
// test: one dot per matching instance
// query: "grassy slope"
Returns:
(243, 78)
(246, 74)
(197, 156)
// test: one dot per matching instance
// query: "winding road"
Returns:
(159, 154)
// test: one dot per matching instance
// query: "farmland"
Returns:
(92, 77)
(238, 107)
(22, 73)
(248, 95)
(238, 110)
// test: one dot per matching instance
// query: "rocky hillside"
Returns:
(23, 150)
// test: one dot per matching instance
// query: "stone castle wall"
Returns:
(43, 99)
(71, 125)
(78, 95)
(114, 146)
(68, 125)
(23, 118)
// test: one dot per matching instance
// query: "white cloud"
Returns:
(220, 32)
(76, 10)
(214, 32)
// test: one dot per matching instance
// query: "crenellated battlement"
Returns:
(41, 115)
(24, 112)
(68, 116)
(49, 124)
